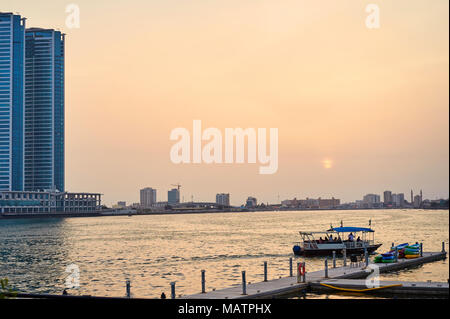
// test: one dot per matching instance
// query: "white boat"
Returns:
(323, 243)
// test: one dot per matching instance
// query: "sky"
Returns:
(358, 110)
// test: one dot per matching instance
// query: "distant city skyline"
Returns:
(148, 199)
(358, 110)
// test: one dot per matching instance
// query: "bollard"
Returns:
(304, 275)
(396, 254)
(128, 289)
(203, 282)
(172, 289)
(265, 271)
(421, 249)
(326, 267)
(244, 284)
(290, 267)
(298, 272)
(344, 251)
(443, 247)
(334, 259)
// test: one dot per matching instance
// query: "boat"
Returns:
(313, 244)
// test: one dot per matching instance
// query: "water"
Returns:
(153, 251)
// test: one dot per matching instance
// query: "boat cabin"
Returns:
(354, 239)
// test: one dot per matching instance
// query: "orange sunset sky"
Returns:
(358, 110)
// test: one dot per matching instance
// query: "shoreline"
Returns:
(130, 213)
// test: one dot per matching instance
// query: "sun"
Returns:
(327, 163)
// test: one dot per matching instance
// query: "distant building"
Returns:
(401, 199)
(387, 197)
(371, 199)
(319, 203)
(160, 204)
(251, 202)
(437, 203)
(44, 110)
(173, 196)
(147, 197)
(120, 204)
(290, 203)
(359, 204)
(309, 203)
(223, 199)
(48, 202)
(328, 203)
(12, 104)
(417, 201)
(32, 120)
(398, 200)
(135, 205)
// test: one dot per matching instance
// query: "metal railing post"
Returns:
(172, 289)
(265, 271)
(290, 267)
(203, 282)
(128, 289)
(244, 283)
(334, 259)
(326, 267)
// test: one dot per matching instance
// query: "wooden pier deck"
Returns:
(289, 285)
(392, 287)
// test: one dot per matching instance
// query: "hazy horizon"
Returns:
(358, 110)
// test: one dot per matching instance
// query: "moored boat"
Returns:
(356, 240)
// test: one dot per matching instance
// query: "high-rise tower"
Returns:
(44, 110)
(12, 54)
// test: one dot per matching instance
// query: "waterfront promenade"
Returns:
(291, 285)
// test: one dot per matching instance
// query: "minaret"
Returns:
(412, 197)
(421, 196)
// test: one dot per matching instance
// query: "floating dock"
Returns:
(384, 287)
(290, 285)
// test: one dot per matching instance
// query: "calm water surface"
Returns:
(153, 251)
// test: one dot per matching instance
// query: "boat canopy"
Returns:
(351, 229)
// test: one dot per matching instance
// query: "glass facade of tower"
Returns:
(173, 196)
(44, 110)
(12, 47)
